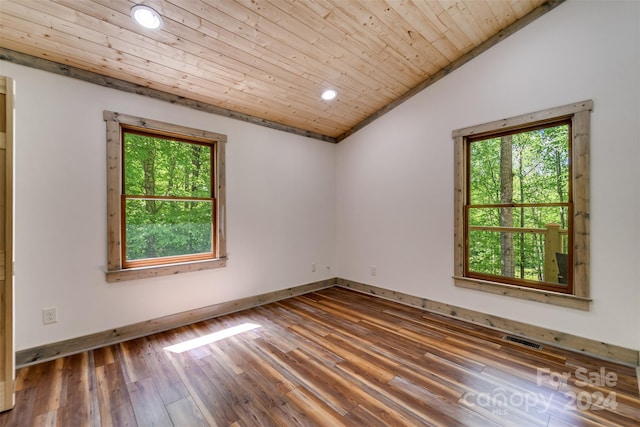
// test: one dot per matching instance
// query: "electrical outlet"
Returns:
(49, 315)
(313, 267)
(374, 270)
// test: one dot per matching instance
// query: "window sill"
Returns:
(548, 297)
(163, 270)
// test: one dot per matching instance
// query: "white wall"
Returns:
(280, 210)
(395, 177)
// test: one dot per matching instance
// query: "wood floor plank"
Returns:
(333, 357)
(79, 409)
(31, 376)
(184, 412)
(333, 324)
(147, 404)
(115, 405)
(47, 419)
(25, 399)
(259, 406)
(361, 416)
(316, 411)
(387, 402)
(133, 363)
(352, 389)
(166, 380)
(448, 413)
(104, 355)
(225, 355)
(347, 352)
(317, 380)
(253, 356)
(206, 396)
(53, 395)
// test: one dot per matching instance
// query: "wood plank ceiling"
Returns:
(268, 61)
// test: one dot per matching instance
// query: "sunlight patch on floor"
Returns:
(210, 338)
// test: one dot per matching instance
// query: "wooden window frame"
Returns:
(579, 116)
(120, 270)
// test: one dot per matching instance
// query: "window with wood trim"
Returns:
(165, 198)
(522, 192)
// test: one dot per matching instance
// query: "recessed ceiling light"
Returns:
(146, 16)
(329, 94)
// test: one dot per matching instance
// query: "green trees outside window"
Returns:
(518, 206)
(167, 197)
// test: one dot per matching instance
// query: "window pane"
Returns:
(497, 246)
(162, 167)
(484, 173)
(527, 167)
(163, 228)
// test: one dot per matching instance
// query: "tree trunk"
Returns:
(507, 263)
(559, 187)
(522, 222)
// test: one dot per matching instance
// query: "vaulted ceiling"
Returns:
(265, 61)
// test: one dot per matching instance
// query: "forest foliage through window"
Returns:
(518, 219)
(168, 199)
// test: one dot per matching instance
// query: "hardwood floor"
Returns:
(329, 358)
